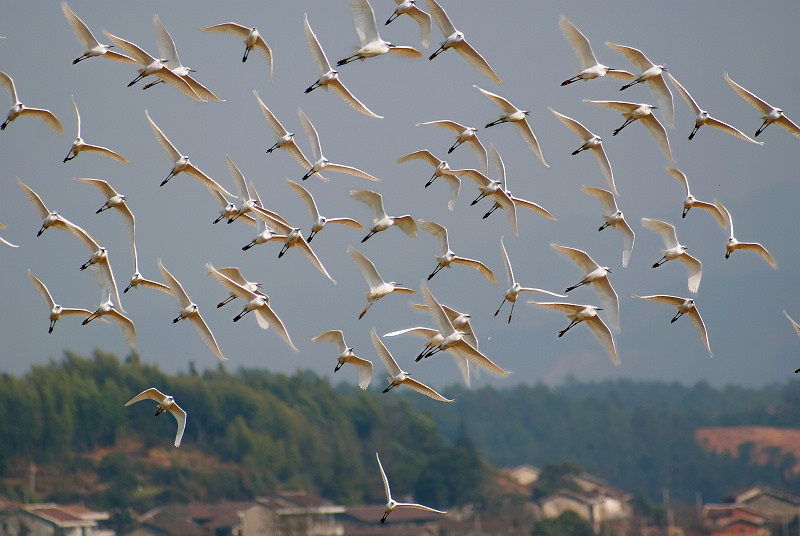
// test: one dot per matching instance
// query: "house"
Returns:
(732, 519)
(50, 519)
(524, 474)
(781, 505)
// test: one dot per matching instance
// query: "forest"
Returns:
(251, 432)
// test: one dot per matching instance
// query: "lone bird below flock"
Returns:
(165, 403)
(391, 504)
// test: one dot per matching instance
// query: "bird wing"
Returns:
(128, 329)
(230, 28)
(351, 171)
(424, 21)
(628, 238)
(200, 89)
(165, 44)
(419, 506)
(385, 480)
(725, 215)
(657, 130)
(212, 185)
(83, 313)
(635, 56)
(663, 298)
(311, 132)
(8, 83)
(424, 389)
(664, 97)
(423, 154)
(507, 264)
(147, 394)
(364, 18)
(479, 266)
(266, 314)
(620, 106)
(316, 49)
(305, 248)
(788, 126)
(575, 126)
(48, 299)
(501, 103)
(406, 224)
(230, 285)
(566, 308)
(47, 116)
(333, 336)
(733, 131)
(666, 231)
(77, 115)
(165, 75)
(695, 270)
(527, 134)
(347, 222)
(760, 105)
(795, 325)
(368, 270)
(464, 350)
(541, 291)
(142, 57)
(155, 285)
(180, 416)
(533, 206)
(581, 258)
(165, 144)
(455, 186)
(712, 208)
(440, 319)
(238, 180)
(373, 200)
(306, 197)
(697, 320)
(480, 152)
(206, 335)
(603, 334)
(339, 88)
(580, 44)
(605, 197)
(386, 357)
(498, 165)
(426, 333)
(437, 230)
(680, 177)
(406, 52)
(364, 370)
(175, 287)
(273, 122)
(507, 204)
(105, 278)
(475, 59)
(761, 250)
(440, 17)
(605, 166)
(105, 151)
(685, 94)
(82, 31)
(263, 47)
(609, 299)
(476, 176)
(79, 233)
(35, 200)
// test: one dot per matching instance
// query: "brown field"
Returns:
(726, 440)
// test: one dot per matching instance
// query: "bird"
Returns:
(442, 169)
(285, 138)
(597, 276)
(771, 113)
(371, 42)
(229, 210)
(257, 302)
(675, 251)
(235, 275)
(137, 278)
(165, 403)
(3, 240)
(516, 116)
(79, 145)
(464, 134)
(632, 112)
(265, 232)
(378, 288)
(319, 221)
(702, 117)
(252, 39)
(18, 109)
(460, 321)
(455, 39)
(452, 339)
(796, 327)
(330, 77)
(181, 163)
(515, 288)
(432, 339)
(320, 162)
(590, 141)
(188, 309)
(380, 221)
(246, 198)
(591, 68)
(733, 244)
(391, 504)
(448, 257)
(51, 219)
(691, 201)
(346, 355)
(107, 309)
(56, 311)
(400, 377)
(652, 74)
(587, 314)
(684, 306)
(155, 67)
(495, 188)
(116, 201)
(614, 218)
(409, 7)
(167, 50)
(93, 46)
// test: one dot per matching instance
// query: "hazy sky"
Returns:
(741, 299)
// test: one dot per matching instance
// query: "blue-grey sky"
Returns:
(741, 299)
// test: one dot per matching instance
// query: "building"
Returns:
(50, 519)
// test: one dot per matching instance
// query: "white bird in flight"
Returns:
(613, 218)
(516, 116)
(691, 201)
(188, 309)
(590, 141)
(371, 42)
(442, 169)
(330, 77)
(50, 218)
(448, 257)
(320, 162)
(464, 134)
(597, 276)
(654, 76)
(588, 315)
(153, 66)
(56, 311)
(637, 111)
(391, 504)
(409, 7)
(234, 274)
(515, 288)
(733, 244)
(93, 46)
(247, 199)
(257, 302)
(107, 309)
(181, 163)
(400, 377)
(702, 118)
(346, 355)
(455, 39)
(684, 306)
(19, 109)
(252, 39)
(79, 145)
(137, 278)
(796, 327)
(229, 210)
(319, 221)
(674, 250)
(460, 321)
(3, 240)
(165, 403)
(380, 220)
(496, 189)
(432, 339)
(591, 68)
(378, 288)
(771, 113)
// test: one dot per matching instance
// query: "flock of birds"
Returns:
(238, 201)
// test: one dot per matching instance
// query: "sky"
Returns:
(741, 299)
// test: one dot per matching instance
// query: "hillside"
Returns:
(761, 444)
